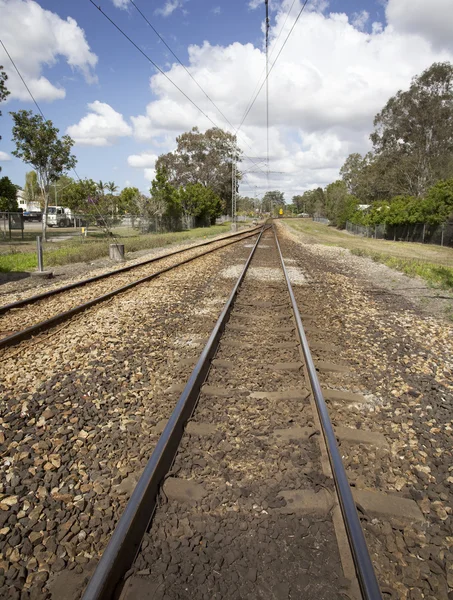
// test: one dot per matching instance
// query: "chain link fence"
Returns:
(424, 233)
(322, 220)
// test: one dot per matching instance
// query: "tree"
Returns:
(111, 187)
(8, 195)
(101, 187)
(127, 200)
(200, 202)
(38, 144)
(414, 132)
(57, 190)
(204, 158)
(165, 197)
(273, 201)
(3, 91)
(31, 188)
(79, 195)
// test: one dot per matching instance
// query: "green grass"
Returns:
(435, 275)
(89, 250)
(432, 263)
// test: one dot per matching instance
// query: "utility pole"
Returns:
(233, 193)
(266, 2)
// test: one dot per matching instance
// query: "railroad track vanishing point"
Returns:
(23, 319)
(245, 491)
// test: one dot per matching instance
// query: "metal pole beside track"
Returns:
(362, 560)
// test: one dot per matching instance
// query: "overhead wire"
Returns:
(270, 57)
(23, 80)
(273, 65)
(42, 114)
(161, 71)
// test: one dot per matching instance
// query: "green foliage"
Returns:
(80, 196)
(414, 132)
(127, 200)
(165, 196)
(8, 191)
(200, 202)
(439, 201)
(435, 275)
(31, 188)
(38, 144)
(204, 158)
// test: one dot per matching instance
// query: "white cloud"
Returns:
(121, 3)
(168, 8)
(323, 97)
(36, 38)
(4, 157)
(142, 160)
(216, 10)
(359, 20)
(100, 127)
(432, 20)
(149, 174)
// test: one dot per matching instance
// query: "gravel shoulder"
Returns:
(382, 279)
(400, 358)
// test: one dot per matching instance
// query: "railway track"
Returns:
(30, 316)
(245, 491)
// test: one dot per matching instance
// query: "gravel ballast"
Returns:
(401, 360)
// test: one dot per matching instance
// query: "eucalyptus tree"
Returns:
(38, 144)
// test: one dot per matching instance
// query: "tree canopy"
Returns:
(8, 195)
(38, 144)
(204, 158)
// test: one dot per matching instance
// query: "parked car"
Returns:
(32, 215)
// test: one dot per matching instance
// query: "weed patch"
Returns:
(435, 275)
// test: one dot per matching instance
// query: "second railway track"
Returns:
(248, 507)
(25, 318)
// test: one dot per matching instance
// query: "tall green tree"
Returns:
(204, 158)
(38, 144)
(4, 93)
(128, 200)
(31, 188)
(414, 132)
(8, 195)
(165, 197)
(79, 196)
(200, 202)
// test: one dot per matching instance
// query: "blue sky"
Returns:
(343, 60)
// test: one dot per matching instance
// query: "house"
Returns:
(27, 206)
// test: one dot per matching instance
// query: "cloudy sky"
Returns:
(343, 60)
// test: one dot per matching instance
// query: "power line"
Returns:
(23, 80)
(155, 65)
(273, 64)
(267, 90)
(271, 54)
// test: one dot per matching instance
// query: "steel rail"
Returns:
(25, 301)
(125, 542)
(25, 334)
(361, 557)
